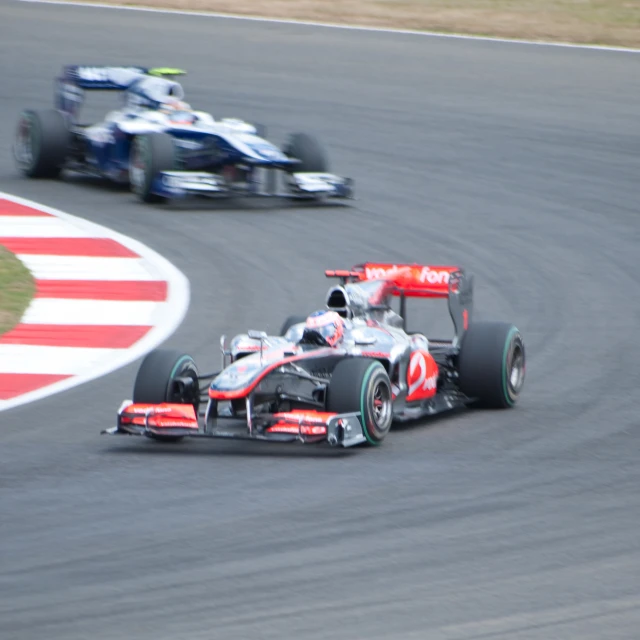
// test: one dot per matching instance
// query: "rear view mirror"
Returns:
(362, 338)
(257, 335)
(365, 340)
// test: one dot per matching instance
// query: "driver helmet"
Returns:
(325, 327)
(178, 112)
(171, 105)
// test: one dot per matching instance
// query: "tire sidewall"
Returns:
(309, 151)
(485, 364)
(140, 166)
(512, 344)
(374, 376)
(157, 373)
(30, 122)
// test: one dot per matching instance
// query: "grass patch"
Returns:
(610, 22)
(17, 287)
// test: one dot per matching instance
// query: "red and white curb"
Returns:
(102, 300)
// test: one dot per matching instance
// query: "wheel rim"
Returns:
(515, 369)
(381, 409)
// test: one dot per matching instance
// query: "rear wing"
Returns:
(419, 281)
(76, 78)
(102, 78)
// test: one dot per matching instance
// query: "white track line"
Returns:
(69, 361)
(36, 227)
(93, 312)
(327, 25)
(45, 267)
(173, 311)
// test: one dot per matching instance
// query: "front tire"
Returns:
(309, 151)
(492, 364)
(150, 154)
(363, 385)
(158, 381)
(42, 143)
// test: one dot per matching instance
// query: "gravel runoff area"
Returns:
(601, 22)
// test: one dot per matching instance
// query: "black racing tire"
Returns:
(42, 143)
(309, 151)
(491, 364)
(362, 384)
(289, 322)
(150, 154)
(156, 381)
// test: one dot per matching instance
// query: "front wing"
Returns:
(168, 420)
(181, 184)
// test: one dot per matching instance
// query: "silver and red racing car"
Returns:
(343, 375)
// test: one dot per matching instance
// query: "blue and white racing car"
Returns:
(162, 147)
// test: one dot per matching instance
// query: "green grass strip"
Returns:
(17, 288)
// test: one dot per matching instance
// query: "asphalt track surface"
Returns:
(520, 162)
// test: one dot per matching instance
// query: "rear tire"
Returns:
(42, 143)
(150, 154)
(492, 364)
(309, 151)
(363, 385)
(156, 381)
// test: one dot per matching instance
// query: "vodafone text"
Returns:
(425, 275)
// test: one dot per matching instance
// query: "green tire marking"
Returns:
(176, 366)
(367, 375)
(505, 376)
